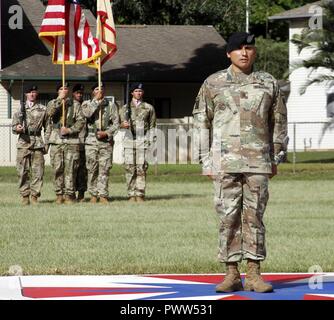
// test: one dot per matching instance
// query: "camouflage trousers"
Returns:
(30, 161)
(240, 201)
(65, 162)
(135, 166)
(81, 182)
(99, 163)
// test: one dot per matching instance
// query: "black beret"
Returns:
(135, 86)
(96, 85)
(78, 87)
(237, 39)
(59, 85)
(30, 88)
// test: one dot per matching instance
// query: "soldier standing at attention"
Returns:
(28, 123)
(102, 125)
(64, 141)
(140, 121)
(81, 182)
(248, 118)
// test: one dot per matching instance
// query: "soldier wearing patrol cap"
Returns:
(64, 130)
(247, 115)
(102, 124)
(139, 120)
(28, 123)
(81, 181)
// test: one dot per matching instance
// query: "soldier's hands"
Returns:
(64, 131)
(273, 171)
(210, 174)
(19, 128)
(211, 177)
(101, 135)
(99, 96)
(125, 125)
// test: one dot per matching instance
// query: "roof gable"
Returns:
(297, 13)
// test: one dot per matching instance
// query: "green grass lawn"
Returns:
(312, 157)
(175, 231)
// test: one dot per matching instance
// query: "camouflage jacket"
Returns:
(143, 122)
(36, 120)
(247, 120)
(109, 120)
(74, 121)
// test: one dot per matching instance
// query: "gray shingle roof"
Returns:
(297, 13)
(148, 53)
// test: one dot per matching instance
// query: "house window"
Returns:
(162, 107)
(44, 98)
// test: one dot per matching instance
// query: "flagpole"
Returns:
(99, 71)
(63, 79)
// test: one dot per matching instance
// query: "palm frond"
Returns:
(321, 43)
(319, 79)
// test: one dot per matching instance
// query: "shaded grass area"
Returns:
(192, 173)
(161, 173)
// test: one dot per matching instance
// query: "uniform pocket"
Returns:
(256, 100)
(223, 114)
(218, 195)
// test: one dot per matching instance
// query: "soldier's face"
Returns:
(32, 96)
(78, 95)
(137, 94)
(63, 89)
(96, 91)
(243, 59)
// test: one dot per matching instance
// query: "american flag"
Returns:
(108, 31)
(65, 21)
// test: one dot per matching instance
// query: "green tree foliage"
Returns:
(260, 10)
(272, 56)
(226, 16)
(321, 43)
(219, 13)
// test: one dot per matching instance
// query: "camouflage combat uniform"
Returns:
(247, 118)
(99, 153)
(136, 143)
(31, 150)
(64, 153)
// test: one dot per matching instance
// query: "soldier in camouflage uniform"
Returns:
(102, 125)
(64, 142)
(81, 182)
(138, 138)
(247, 117)
(28, 124)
